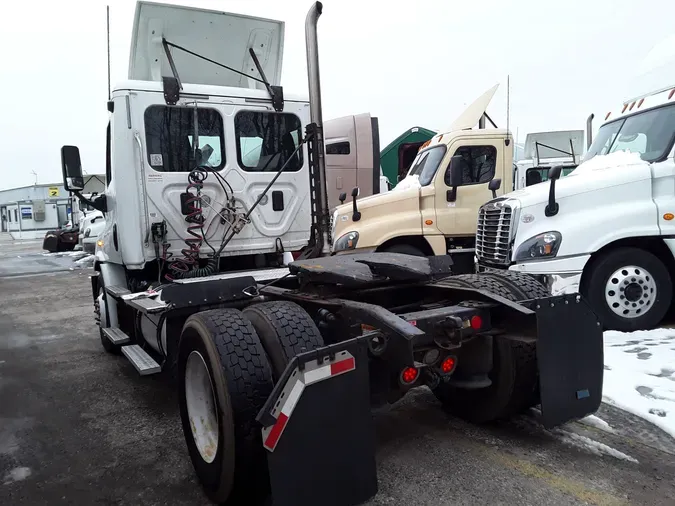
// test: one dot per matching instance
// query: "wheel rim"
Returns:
(630, 291)
(201, 406)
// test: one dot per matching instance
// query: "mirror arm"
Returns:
(356, 216)
(552, 207)
(100, 203)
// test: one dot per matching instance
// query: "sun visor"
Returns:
(219, 36)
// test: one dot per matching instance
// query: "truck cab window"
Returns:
(266, 140)
(480, 164)
(169, 135)
(650, 133)
(338, 148)
(426, 164)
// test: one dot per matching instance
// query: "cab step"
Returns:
(115, 335)
(117, 291)
(143, 362)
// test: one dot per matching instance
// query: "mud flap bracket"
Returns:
(318, 429)
(570, 358)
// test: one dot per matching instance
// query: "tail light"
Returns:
(448, 364)
(476, 322)
(409, 375)
(296, 254)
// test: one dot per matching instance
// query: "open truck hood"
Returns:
(219, 36)
(469, 118)
(563, 140)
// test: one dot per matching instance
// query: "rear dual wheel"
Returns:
(514, 374)
(226, 379)
(229, 361)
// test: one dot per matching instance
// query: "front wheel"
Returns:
(224, 380)
(629, 289)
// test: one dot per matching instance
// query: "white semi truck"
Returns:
(544, 150)
(272, 362)
(607, 230)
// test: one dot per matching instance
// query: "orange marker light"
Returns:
(429, 222)
(672, 92)
(610, 112)
(668, 216)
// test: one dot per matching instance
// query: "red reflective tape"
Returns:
(275, 433)
(342, 366)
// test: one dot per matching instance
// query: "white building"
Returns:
(28, 212)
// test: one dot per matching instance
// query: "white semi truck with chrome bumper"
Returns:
(607, 230)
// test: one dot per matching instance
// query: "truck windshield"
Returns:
(426, 164)
(649, 133)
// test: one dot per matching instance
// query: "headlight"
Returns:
(544, 245)
(346, 241)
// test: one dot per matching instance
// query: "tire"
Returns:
(646, 279)
(513, 389)
(405, 249)
(105, 342)
(285, 329)
(514, 374)
(240, 379)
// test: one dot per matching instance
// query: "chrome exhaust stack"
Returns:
(589, 131)
(314, 81)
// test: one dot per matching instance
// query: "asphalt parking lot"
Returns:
(79, 426)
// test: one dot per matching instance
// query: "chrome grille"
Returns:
(493, 234)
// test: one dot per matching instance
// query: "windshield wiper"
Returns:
(276, 92)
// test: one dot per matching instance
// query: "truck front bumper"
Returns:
(560, 275)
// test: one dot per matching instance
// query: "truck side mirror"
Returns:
(455, 176)
(72, 169)
(552, 207)
(554, 172)
(356, 214)
(342, 197)
(494, 185)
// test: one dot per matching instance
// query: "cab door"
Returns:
(485, 160)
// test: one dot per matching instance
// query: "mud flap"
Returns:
(570, 359)
(318, 429)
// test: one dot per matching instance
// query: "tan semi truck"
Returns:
(433, 210)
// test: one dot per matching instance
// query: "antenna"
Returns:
(508, 104)
(36, 177)
(107, 27)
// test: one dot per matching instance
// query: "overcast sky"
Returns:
(417, 64)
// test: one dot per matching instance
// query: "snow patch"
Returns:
(598, 423)
(640, 374)
(17, 474)
(407, 183)
(610, 161)
(593, 446)
(87, 261)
